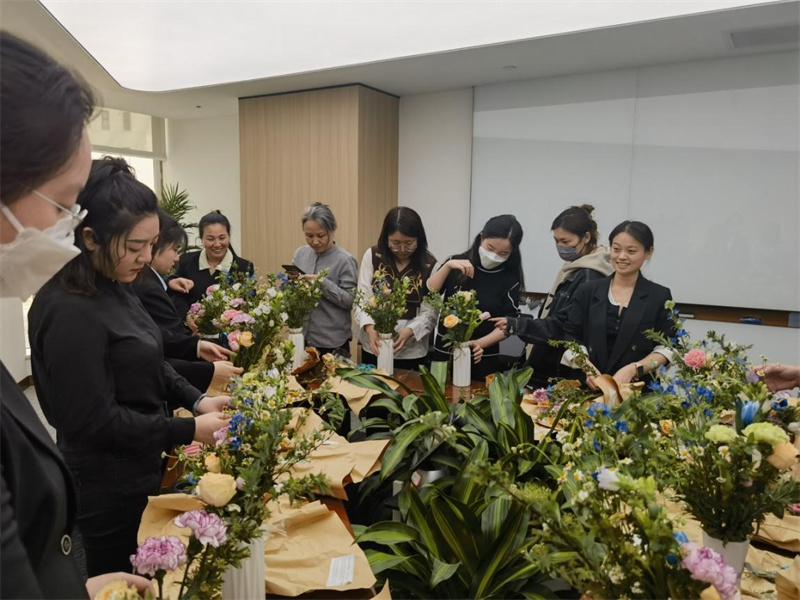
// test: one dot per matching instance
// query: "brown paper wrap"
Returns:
(357, 397)
(782, 533)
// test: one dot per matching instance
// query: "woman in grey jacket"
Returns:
(329, 328)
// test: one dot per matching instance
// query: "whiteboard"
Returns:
(706, 153)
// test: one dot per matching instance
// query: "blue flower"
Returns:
(672, 559)
(596, 407)
(191, 479)
(708, 413)
(680, 537)
(655, 386)
(622, 426)
(779, 406)
(662, 369)
(681, 333)
(749, 412)
(235, 443)
(685, 404)
(596, 444)
(588, 423)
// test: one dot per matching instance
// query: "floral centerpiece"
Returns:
(250, 463)
(247, 313)
(300, 296)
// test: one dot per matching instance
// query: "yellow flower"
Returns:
(216, 489)
(373, 302)
(783, 456)
(451, 321)
(213, 464)
(666, 426)
(246, 339)
(117, 590)
(720, 434)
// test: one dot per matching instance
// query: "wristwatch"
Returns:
(639, 371)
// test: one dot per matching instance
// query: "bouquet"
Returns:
(247, 313)
(250, 463)
(387, 300)
(300, 297)
(459, 315)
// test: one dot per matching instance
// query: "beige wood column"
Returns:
(337, 146)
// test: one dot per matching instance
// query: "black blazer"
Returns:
(180, 346)
(586, 322)
(38, 505)
(189, 267)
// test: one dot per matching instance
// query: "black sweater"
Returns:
(189, 267)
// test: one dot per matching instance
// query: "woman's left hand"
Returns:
(401, 338)
(182, 285)
(477, 351)
(213, 404)
(212, 352)
(625, 374)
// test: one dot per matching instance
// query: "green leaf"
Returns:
(493, 518)
(500, 402)
(408, 403)
(370, 382)
(507, 545)
(396, 451)
(388, 404)
(507, 437)
(416, 515)
(380, 561)
(467, 488)
(388, 533)
(475, 418)
(458, 530)
(442, 571)
(525, 571)
(433, 391)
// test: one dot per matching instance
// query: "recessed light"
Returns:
(198, 106)
(510, 68)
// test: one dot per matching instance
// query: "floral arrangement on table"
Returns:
(459, 315)
(387, 301)
(248, 313)
(250, 463)
(300, 297)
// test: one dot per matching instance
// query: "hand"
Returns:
(211, 404)
(205, 426)
(625, 374)
(374, 339)
(211, 352)
(500, 323)
(310, 277)
(402, 337)
(591, 383)
(191, 322)
(779, 377)
(292, 275)
(180, 285)
(462, 265)
(477, 351)
(97, 583)
(224, 371)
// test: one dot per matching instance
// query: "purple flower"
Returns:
(236, 302)
(706, 565)
(207, 527)
(221, 436)
(242, 318)
(540, 395)
(752, 377)
(159, 554)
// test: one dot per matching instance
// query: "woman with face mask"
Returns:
(45, 158)
(492, 267)
(99, 369)
(575, 235)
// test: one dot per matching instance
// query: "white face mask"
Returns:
(34, 256)
(490, 260)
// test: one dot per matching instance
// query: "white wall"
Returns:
(203, 157)
(12, 338)
(435, 164)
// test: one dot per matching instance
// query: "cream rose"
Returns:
(216, 489)
(246, 339)
(783, 456)
(213, 464)
(451, 321)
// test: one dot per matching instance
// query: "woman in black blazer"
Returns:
(45, 156)
(610, 316)
(202, 267)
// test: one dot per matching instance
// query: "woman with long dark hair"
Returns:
(99, 369)
(401, 252)
(492, 267)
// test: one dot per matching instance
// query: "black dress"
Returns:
(189, 267)
(99, 370)
(38, 505)
(497, 291)
(180, 346)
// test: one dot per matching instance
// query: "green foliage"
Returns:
(300, 297)
(459, 315)
(387, 299)
(175, 202)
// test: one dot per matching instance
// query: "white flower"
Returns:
(608, 479)
(699, 450)
(683, 454)
(616, 575)
(561, 436)
(725, 452)
(625, 461)
(272, 292)
(636, 588)
(582, 496)
(236, 286)
(756, 458)
(270, 391)
(766, 406)
(273, 373)
(284, 317)
(794, 427)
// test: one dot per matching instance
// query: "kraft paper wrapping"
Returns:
(787, 582)
(783, 533)
(299, 561)
(357, 397)
(385, 593)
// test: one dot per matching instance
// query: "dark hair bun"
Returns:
(587, 207)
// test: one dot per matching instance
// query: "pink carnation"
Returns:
(540, 395)
(694, 359)
(211, 289)
(236, 302)
(159, 554)
(221, 436)
(706, 565)
(207, 527)
(795, 508)
(242, 319)
(192, 450)
(229, 315)
(195, 308)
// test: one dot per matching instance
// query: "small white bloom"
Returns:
(284, 317)
(270, 391)
(625, 461)
(562, 436)
(582, 496)
(616, 575)
(636, 588)
(725, 452)
(608, 479)
(272, 292)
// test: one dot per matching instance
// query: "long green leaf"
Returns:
(388, 404)
(500, 402)
(474, 418)
(416, 515)
(452, 522)
(494, 517)
(442, 571)
(370, 382)
(432, 390)
(466, 488)
(380, 561)
(388, 533)
(396, 451)
(526, 570)
(506, 545)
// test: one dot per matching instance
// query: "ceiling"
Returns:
(677, 39)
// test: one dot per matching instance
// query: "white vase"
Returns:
(249, 581)
(386, 357)
(462, 365)
(299, 341)
(733, 553)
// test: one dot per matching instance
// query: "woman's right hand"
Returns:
(224, 371)
(462, 265)
(205, 426)
(477, 351)
(500, 323)
(182, 285)
(374, 339)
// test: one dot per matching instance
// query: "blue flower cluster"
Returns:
(780, 405)
(234, 428)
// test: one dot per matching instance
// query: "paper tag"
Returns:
(416, 479)
(341, 571)
(330, 443)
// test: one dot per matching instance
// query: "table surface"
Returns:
(413, 381)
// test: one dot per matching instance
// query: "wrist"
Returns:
(196, 405)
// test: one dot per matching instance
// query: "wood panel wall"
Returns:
(338, 146)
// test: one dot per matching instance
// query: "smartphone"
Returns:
(293, 269)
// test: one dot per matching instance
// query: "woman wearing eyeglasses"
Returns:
(401, 252)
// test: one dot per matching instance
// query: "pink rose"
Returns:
(706, 565)
(207, 527)
(795, 508)
(694, 359)
(221, 436)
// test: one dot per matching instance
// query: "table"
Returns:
(413, 381)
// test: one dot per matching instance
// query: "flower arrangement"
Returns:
(249, 314)
(459, 315)
(387, 301)
(250, 463)
(300, 297)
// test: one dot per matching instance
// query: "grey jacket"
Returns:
(329, 325)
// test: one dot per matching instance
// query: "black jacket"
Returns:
(180, 346)
(38, 505)
(189, 267)
(586, 322)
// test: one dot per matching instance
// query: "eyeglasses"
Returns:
(403, 245)
(75, 213)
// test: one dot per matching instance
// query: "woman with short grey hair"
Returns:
(329, 328)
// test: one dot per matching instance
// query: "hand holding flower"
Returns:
(401, 338)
